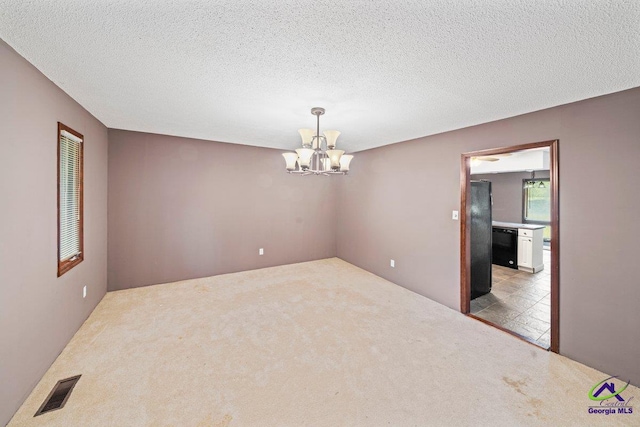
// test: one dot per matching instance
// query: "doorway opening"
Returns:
(517, 289)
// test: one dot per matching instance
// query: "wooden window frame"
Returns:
(66, 265)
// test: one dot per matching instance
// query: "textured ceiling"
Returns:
(249, 71)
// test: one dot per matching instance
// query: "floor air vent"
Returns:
(58, 396)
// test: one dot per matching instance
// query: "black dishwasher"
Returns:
(505, 247)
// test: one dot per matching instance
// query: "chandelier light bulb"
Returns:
(304, 157)
(335, 155)
(332, 137)
(344, 162)
(306, 135)
(291, 159)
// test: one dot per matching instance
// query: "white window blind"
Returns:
(70, 158)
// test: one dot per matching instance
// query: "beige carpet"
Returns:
(314, 344)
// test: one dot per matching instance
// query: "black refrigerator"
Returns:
(481, 231)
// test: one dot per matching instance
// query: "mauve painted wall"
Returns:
(397, 204)
(506, 189)
(182, 208)
(39, 312)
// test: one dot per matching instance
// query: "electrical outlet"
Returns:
(84, 291)
(393, 263)
(454, 215)
(261, 251)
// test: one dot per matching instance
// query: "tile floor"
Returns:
(519, 301)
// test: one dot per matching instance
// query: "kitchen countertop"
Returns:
(516, 225)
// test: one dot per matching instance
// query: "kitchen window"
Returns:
(70, 199)
(536, 209)
(537, 201)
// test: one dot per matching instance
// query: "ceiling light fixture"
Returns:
(532, 182)
(318, 155)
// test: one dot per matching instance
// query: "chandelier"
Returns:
(532, 182)
(318, 155)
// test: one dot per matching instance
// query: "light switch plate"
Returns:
(84, 291)
(393, 263)
(454, 215)
(261, 251)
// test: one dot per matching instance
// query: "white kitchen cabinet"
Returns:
(525, 246)
(530, 247)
